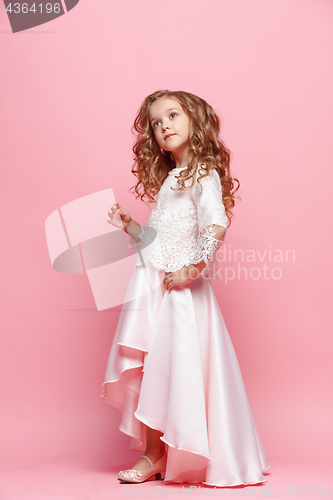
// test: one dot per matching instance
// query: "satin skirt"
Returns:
(172, 367)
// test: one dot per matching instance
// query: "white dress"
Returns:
(172, 365)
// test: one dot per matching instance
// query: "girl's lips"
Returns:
(167, 136)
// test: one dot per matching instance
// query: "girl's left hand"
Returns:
(177, 278)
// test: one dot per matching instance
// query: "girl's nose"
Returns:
(165, 126)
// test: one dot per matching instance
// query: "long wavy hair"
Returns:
(152, 163)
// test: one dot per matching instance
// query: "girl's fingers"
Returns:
(114, 207)
(169, 285)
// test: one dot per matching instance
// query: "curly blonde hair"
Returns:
(152, 163)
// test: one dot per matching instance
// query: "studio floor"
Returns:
(67, 482)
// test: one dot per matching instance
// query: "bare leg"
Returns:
(155, 448)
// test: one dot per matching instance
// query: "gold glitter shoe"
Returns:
(134, 476)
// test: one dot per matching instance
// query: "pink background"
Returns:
(70, 90)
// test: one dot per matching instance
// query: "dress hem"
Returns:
(143, 421)
(238, 484)
(167, 443)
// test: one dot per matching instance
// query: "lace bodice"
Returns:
(180, 229)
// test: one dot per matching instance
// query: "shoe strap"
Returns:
(150, 462)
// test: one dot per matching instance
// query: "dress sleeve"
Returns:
(211, 213)
(134, 245)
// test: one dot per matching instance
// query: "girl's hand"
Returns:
(119, 217)
(177, 278)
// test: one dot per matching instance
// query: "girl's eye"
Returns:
(157, 122)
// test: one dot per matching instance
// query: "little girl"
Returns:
(172, 370)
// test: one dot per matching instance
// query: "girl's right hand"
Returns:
(119, 217)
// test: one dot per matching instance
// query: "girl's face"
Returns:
(170, 124)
